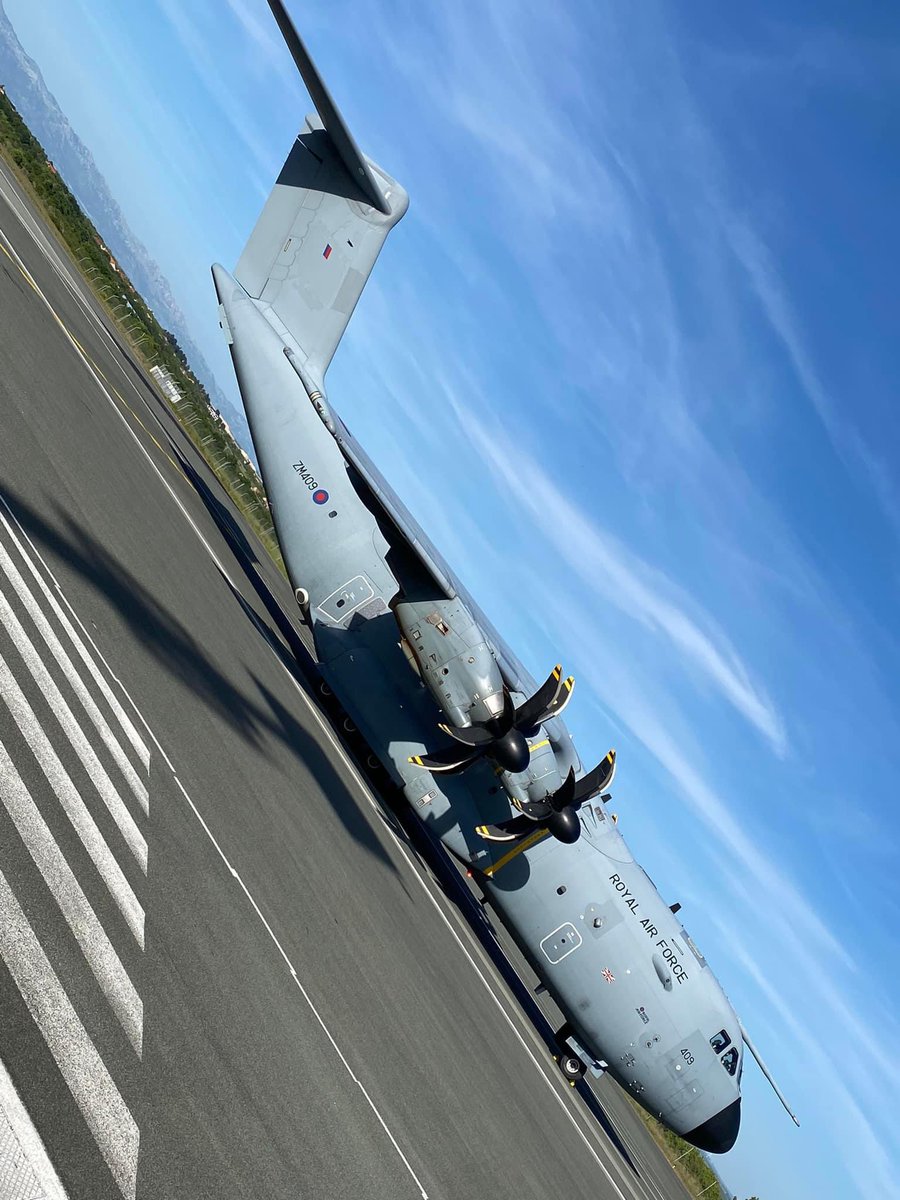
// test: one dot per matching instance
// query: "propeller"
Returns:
(503, 738)
(558, 813)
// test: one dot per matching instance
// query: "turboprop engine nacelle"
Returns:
(454, 660)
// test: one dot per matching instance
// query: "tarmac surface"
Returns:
(226, 970)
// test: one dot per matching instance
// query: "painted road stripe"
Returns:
(26, 1169)
(122, 717)
(74, 905)
(87, 756)
(72, 803)
(55, 646)
(106, 1113)
(93, 372)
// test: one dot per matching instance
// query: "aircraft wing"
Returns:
(514, 673)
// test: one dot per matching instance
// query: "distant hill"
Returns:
(25, 86)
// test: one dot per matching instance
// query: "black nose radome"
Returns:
(511, 752)
(719, 1133)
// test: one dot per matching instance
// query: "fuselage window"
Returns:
(719, 1041)
(730, 1060)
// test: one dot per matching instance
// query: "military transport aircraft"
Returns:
(415, 663)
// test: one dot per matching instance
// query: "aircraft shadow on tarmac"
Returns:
(405, 825)
(174, 648)
(225, 518)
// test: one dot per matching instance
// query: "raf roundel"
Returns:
(320, 496)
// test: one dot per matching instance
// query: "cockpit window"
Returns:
(730, 1060)
(719, 1041)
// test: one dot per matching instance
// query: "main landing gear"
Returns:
(339, 720)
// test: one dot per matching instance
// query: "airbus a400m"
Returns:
(410, 656)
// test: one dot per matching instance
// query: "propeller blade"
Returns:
(564, 794)
(512, 830)
(536, 810)
(557, 814)
(499, 726)
(595, 781)
(470, 735)
(531, 711)
(447, 761)
(562, 699)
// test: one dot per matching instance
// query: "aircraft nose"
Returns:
(719, 1133)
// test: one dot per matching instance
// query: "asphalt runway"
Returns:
(226, 973)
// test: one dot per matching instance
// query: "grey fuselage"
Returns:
(576, 911)
(403, 647)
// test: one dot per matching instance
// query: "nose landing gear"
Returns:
(571, 1066)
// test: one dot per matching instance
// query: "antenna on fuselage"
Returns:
(765, 1070)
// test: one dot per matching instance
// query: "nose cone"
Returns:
(719, 1133)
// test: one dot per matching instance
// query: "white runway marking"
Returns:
(117, 410)
(104, 1110)
(367, 796)
(360, 783)
(122, 717)
(125, 822)
(56, 649)
(304, 993)
(82, 821)
(74, 905)
(36, 1165)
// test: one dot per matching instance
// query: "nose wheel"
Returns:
(572, 1067)
(570, 1064)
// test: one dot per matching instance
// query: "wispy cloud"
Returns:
(860, 1140)
(849, 444)
(639, 590)
(195, 36)
(272, 58)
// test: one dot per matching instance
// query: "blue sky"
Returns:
(632, 359)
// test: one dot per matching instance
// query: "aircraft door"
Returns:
(683, 1064)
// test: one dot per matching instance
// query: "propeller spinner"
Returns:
(558, 813)
(503, 738)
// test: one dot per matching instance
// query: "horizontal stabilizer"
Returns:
(321, 229)
(334, 123)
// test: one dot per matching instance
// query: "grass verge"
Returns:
(686, 1161)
